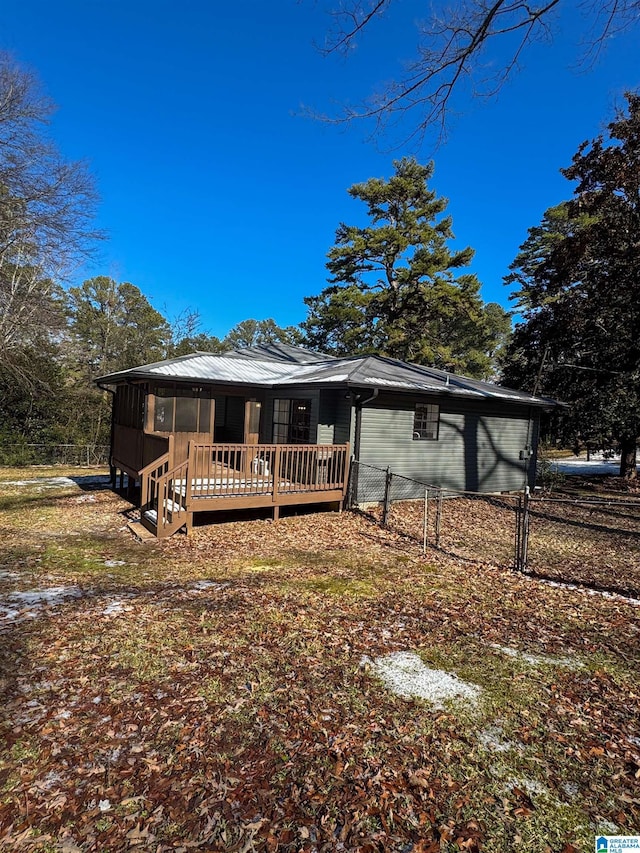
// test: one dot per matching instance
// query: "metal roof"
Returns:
(265, 367)
(280, 352)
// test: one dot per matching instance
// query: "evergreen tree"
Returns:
(578, 275)
(112, 327)
(200, 342)
(249, 333)
(115, 326)
(395, 287)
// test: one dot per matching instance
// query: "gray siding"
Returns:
(477, 449)
(334, 417)
(344, 422)
(327, 417)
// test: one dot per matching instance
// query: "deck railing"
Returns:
(271, 473)
(216, 470)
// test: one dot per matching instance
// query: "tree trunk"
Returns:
(628, 464)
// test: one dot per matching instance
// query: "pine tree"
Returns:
(395, 286)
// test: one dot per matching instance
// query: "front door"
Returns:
(252, 412)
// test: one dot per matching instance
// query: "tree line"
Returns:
(396, 287)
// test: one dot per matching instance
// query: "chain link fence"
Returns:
(462, 524)
(590, 542)
(586, 541)
(20, 455)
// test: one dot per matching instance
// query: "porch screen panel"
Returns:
(204, 422)
(163, 414)
(186, 412)
(129, 406)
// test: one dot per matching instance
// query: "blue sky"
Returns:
(219, 195)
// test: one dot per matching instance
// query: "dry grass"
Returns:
(206, 692)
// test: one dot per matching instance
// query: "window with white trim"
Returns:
(426, 422)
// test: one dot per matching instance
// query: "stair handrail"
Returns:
(163, 492)
(145, 475)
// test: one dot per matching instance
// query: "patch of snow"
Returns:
(111, 563)
(492, 738)
(7, 615)
(536, 660)
(201, 586)
(570, 788)
(104, 805)
(42, 481)
(529, 785)
(114, 608)
(574, 587)
(8, 576)
(606, 827)
(580, 466)
(53, 595)
(27, 605)
(406, 675)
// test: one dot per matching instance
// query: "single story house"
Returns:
(275, 425)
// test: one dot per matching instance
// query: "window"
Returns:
(291, 421)
(182, 410)
(426, 421)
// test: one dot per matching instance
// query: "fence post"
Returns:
(524, 545)
(518, 515)
(438, 517)
(425, 521)
(387, 496)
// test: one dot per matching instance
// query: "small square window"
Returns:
(426, 421)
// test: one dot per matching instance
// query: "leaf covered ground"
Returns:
(210, 693)
(584, 536)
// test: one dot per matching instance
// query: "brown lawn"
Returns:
(209, 692)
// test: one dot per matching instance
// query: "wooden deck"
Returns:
(240, 476)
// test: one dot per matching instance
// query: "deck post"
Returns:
(144, 495)
(276, 474)
(190, 472)
(346, 472)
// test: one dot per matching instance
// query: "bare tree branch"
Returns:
(47, 206)
(452, 52)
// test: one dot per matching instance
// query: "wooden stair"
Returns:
(163, 508)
